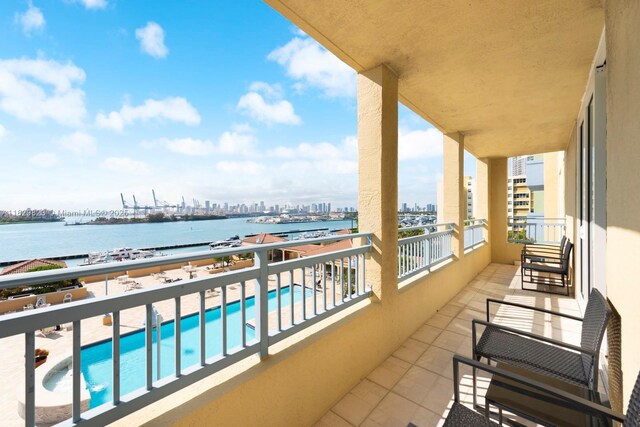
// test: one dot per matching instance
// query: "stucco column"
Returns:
(501, 250)
(455, 197)
(378, 176)
(482, 187)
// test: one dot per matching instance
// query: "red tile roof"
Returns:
(303, 249)
(263, 238)
(345, 231)
(24, 266)
(332, 247)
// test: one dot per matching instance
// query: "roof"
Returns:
(332, 247)
(303, 249)
(263, 238)
(24, 266)
(508, 75)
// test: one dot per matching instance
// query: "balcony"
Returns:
(395, 310)
(415, 383)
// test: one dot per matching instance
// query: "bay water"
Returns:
(42, 240)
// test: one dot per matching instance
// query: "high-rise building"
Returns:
(470, 186)
(519, 165)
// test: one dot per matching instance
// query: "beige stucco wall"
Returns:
(17, 304)
(570, 200)
(298, 384)
(570, 187)
(551, 185)
(623, 177)
(501, 250)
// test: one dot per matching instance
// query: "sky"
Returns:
(220, 101)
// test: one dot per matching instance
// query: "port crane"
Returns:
(136, 206)
(161, 204)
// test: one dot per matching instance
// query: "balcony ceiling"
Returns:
(508, 74)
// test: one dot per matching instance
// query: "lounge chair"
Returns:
(47, 331)
(460, 415)
(574, 364)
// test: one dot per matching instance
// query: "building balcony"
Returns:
(415, 383)
(367, 337)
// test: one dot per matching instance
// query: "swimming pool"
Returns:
(96, 359)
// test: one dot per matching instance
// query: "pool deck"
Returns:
(60, 343)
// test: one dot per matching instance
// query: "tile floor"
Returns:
(414, 385)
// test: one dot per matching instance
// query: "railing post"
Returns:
(261, 301)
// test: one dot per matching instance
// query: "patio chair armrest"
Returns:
(542, 245)
(578, 403)
(528, 307)
(554, 258)
(528, 248)
(542, 338)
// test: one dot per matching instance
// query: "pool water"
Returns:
(96, 358)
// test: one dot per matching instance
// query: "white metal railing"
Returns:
(536, 230)
(473, 232)
(335, 280)
(419, 253)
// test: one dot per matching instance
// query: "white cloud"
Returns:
(32, 20)
(125, 165)
(92, 4)
(44, 160)
(232, 143)
(270, 108)
(189, 146)
(37, 89)
(3, 132)
(419, 144)
(151, 39)
(236, 143)
(314, 66)
(241, 168)
(175, 109)
(348, 149)
(268, 90)
(80, 143)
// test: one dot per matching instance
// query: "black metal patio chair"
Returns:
(546, 264)
(462, 416)
(547, 356)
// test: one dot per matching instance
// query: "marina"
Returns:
(73, 244)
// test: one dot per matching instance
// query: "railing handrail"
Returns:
(336, 294)
(422, 227)
(39, 277)
(540, 217)
(31, 320)
(474, 222)
(426, 236)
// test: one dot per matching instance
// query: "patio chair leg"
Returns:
(475, 403)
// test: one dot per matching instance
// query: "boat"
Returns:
(312, 235)
(231, 242)
(118, 254)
